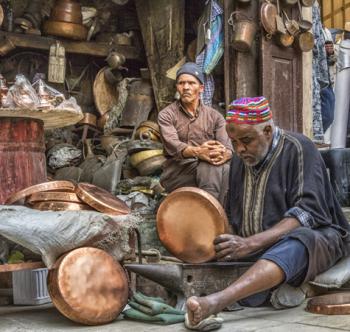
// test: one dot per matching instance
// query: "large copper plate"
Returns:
(60, 206)
(188, 221)
(100, 199)
(54, 196)
(331, 304)
(45, 186)
(88, 286)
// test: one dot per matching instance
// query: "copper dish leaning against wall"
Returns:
(88, 286)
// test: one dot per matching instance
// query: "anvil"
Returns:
(187, 280)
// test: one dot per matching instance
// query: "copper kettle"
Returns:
(68, 11)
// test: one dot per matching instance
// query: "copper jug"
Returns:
(244, 31)
(68, 11)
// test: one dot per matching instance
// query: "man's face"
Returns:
(249, 142)
(189, 88)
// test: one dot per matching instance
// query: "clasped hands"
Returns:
(213, 152)
(230, 247)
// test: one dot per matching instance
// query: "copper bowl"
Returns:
(151, 165)
(67, 11)
(65, 30)
(148, 130)
(139, 157)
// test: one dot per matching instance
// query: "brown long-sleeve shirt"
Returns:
(179, 129)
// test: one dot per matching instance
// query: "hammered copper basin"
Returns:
(67, 11)
(188, 221)
(88, 286)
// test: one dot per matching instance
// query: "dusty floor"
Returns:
(47, 318)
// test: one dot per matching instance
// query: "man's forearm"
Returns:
(191, 151)
(271, 236)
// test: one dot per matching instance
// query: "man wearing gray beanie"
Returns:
(195, 141)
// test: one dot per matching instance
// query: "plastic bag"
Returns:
(48, 96)
(70, 104)
(51, 234)
(22, 94)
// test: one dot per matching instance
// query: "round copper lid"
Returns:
(88, 286)
(188, 221)
(53, 196)
(45, 186)
(330, 304)
(60, 206)
(100, 199)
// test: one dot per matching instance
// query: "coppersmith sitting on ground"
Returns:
(194, 138)
(282, 209)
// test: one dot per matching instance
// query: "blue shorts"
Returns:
(292, 257)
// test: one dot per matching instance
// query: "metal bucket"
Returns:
(244, 31)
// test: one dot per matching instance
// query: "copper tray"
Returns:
(60, 206)
(88, 286)
(53, 196)
(100, 199)
(188, 221)
(45, 186)
(331, 304)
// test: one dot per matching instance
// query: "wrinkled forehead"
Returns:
(187, 78)
(235, 130)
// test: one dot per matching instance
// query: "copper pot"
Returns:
(151, 165)
(67, 11)
(139, 157)
(244, 29)
(148, 130)
(304, 42)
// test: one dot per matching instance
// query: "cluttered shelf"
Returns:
(81, 47)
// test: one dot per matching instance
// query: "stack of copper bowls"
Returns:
(146, 152)
(66, 21)
(66, 196)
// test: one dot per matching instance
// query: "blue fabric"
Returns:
(327, 106)
(292, 257)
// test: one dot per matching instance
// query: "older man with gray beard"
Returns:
(282, 209)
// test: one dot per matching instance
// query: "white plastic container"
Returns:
(30, 287)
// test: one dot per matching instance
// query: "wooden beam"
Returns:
(21, 266)
(87, 48)
(163, 29)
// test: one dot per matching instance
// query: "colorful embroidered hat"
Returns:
(249, 111)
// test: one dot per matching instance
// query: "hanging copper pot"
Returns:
(244, 29)
(304, 42)
(268, 13)
(304, 25)
(284, 39)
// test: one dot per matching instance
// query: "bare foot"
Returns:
(198, 308)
